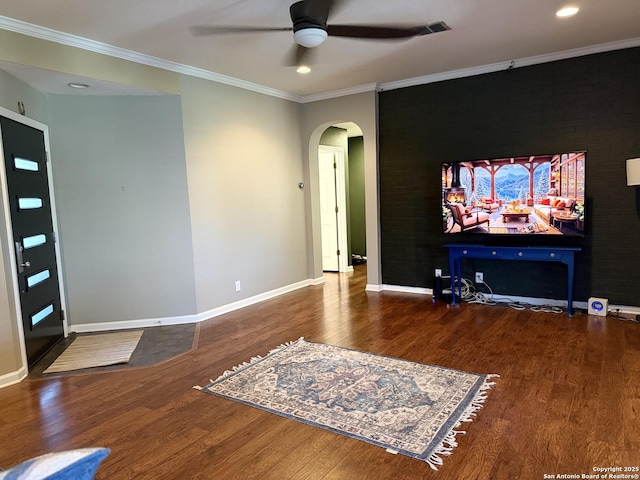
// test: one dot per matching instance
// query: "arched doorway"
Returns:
(341, 189)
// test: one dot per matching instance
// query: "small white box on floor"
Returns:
(598, 306)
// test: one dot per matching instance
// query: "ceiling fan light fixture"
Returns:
(310, 37)
(303, 69)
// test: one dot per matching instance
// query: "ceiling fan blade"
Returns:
(385, 32)
(200, 30)
(307, 13)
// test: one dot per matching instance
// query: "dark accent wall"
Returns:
(587, 103)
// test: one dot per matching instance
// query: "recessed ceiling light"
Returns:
(303, 69)
(567, 11)
(78, 85)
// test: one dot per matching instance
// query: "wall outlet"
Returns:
(479, 277)
(438, 272)
(238, 287)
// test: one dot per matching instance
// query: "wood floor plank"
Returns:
(568, 396)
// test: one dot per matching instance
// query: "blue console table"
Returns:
(458, 251)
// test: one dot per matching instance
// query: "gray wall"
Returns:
(243, 155)
(132, 174)
(123, 210)
(13, 91)
(362, 110)
(248, 216)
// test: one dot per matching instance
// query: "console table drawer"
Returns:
(510, 253)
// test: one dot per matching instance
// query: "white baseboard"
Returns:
(403, 289)
(505, 298)
(214, 312)
(19, 375)
(132, 324)
(199, 317)
(13, 377)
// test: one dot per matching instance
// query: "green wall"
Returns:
(356, 196)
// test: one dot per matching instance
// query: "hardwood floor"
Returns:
(567, 400)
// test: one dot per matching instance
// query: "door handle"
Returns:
(21, 263)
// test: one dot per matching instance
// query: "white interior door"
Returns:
(333, 210)
(328, 214)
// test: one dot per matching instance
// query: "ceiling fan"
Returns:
(310, 28)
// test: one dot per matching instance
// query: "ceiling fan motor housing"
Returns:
(310, 22)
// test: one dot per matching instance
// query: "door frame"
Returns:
(341, 198)
(14, 295)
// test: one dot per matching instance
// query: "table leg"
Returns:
(452, 272)
(570, 287)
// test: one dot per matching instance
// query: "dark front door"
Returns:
(25, 162)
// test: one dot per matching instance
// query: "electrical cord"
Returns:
(471, 295)
(622, 318)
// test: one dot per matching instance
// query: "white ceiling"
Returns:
(483, 33)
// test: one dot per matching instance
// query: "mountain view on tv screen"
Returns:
(532, 195)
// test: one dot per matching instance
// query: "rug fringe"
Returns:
(253, 360)
(449, 442)
(198, 387)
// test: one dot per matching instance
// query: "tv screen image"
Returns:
(531, 195)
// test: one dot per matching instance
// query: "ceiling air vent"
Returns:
(438, 27)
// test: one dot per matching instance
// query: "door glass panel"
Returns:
(36, 318)
(24, 164)
(29, 203)
(38, 278)
(34, 241)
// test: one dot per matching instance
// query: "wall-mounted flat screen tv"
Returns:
(532, 195)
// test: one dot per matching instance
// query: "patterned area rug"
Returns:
(403, 406)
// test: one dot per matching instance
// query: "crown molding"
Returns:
(44, 33)
(370, 87)
(522, 62)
